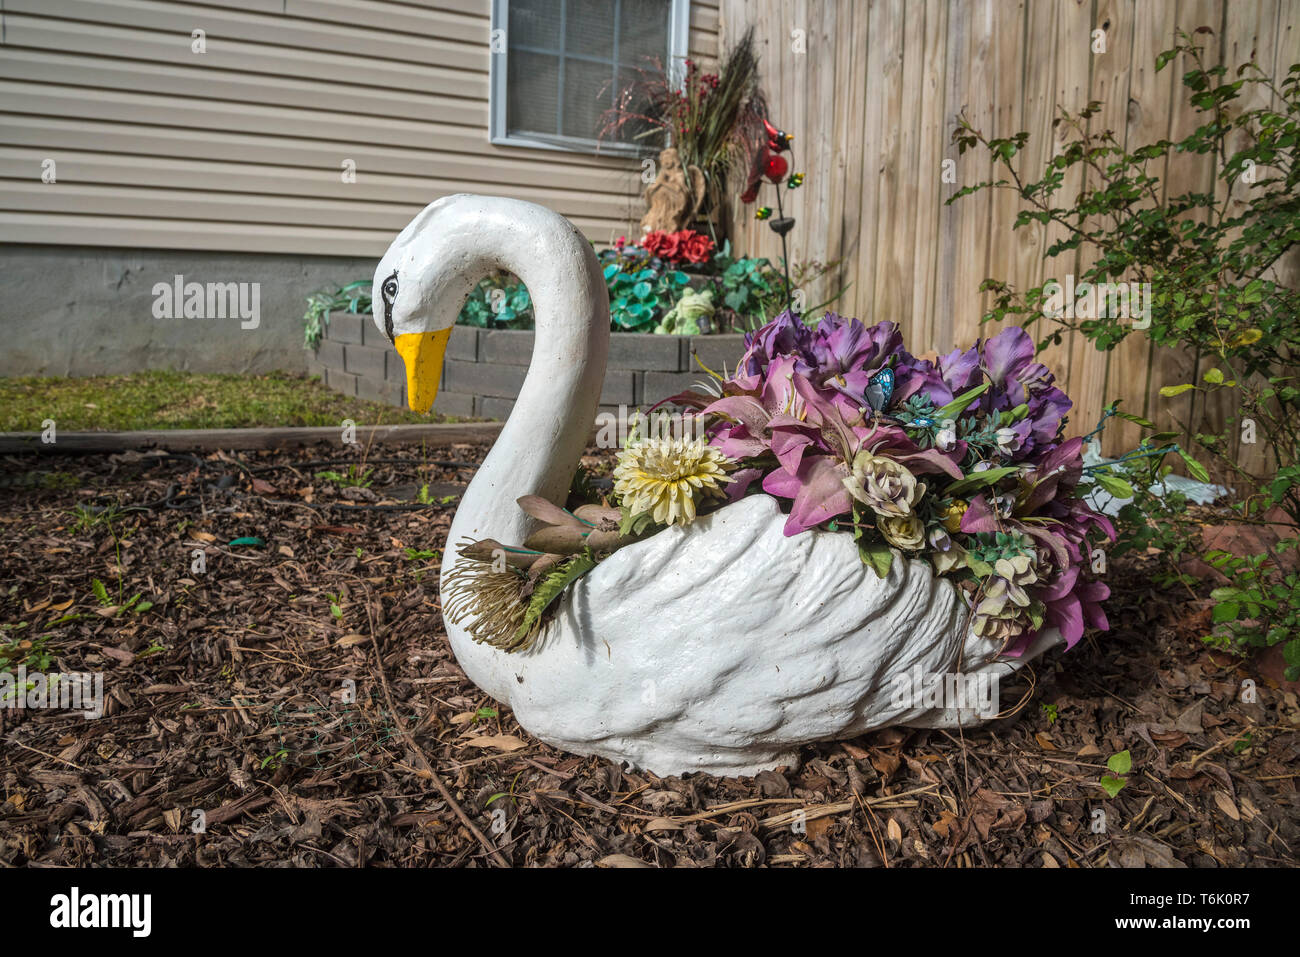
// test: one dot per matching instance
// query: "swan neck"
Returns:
(546, 432)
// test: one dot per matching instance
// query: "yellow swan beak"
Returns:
(421, 353)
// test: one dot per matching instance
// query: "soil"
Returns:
(299, 692)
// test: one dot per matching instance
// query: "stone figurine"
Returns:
(675, 196)
(719, 646)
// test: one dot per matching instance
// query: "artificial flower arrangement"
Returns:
(960, 462)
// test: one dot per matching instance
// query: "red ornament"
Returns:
(776, 168)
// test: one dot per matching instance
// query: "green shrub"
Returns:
(1215, 295)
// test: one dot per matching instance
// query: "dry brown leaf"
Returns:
(1226, 806)
(894, 831)
(347, 641)
(501, 742)
(818, 827)
(662, 824)
(943, 827)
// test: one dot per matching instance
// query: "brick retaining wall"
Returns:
(484, 369)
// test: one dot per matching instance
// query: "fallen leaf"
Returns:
(502, 742)
(1044, 741)
(894, 831)
(347, 641)
(1226, 805)
(943, 827)
(621, 860)
(819, 826)
(662, 824)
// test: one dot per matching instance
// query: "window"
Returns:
(557, 65)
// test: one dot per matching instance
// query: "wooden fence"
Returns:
(871, 91)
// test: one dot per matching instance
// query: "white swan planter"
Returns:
(721, 646)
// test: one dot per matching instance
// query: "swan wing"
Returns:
(724, 645)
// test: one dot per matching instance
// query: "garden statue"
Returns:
(672, 200)
(691, 316)
(685, 625)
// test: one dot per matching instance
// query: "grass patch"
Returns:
(186, 400)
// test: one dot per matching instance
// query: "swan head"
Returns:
(420, 285)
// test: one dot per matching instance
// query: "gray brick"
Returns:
(510, 346)
(619, 387)
(660, 385)
(463, 344)
(365, 361)
(380, 390)
(637, 350)
(346, 327)
(372, 335)
(714, 352)
(330, 354)
(454, 403)
(341, 381)
(483, 378)
(489, 407)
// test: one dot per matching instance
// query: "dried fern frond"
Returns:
(489, 603)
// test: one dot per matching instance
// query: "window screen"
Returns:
(567, 60)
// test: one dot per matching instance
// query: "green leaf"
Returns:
(958, 405)
(1169, 391)
(551, 586)
(878, 555)
(1214, 376)
(1196, 468)
(1120, 763)
(1115, 486)
(101, 593)
(1112, 785)
(980, 479)
(1226, 611)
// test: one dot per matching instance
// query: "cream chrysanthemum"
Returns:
(669, 478)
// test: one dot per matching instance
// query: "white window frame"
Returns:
(679, 32)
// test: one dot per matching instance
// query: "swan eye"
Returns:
(388, 291)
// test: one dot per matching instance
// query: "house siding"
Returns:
(242, 148)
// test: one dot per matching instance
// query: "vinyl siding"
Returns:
(241, 148)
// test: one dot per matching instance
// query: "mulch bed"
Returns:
(251, 691)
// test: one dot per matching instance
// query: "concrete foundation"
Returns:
(82, 310)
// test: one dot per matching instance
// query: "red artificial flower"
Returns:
(696, 247)
(662, 244)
